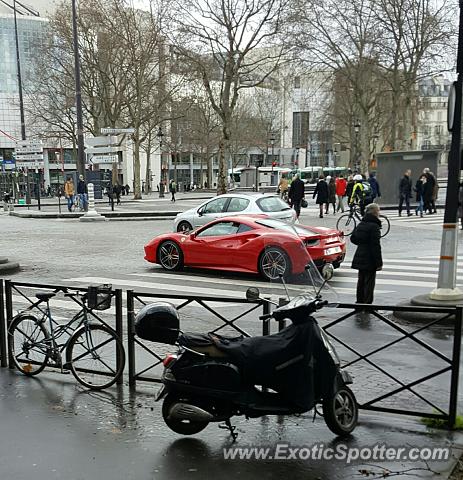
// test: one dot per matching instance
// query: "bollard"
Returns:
(91, 215)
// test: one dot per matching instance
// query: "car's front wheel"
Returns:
(184, 227)
(274, 263)
(170, 256)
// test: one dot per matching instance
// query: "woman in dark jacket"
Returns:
(367, 258)
(322, 194)
(331, 195)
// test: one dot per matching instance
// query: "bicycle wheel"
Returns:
(385, 225)
(346, 223)
(92, 354)
(28, 343)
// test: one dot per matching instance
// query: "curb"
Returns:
(109, 215)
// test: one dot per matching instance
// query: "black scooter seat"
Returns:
(202, 343)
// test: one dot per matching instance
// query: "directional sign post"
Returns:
(29, 154)
(117, 131)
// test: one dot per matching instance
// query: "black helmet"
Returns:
(158, 322)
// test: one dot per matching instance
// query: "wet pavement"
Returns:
(53, 429)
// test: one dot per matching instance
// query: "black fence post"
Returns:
(3, 349)
(455, 367)
(9, 315)
(266, 311)
(131, 338)
(119, 332)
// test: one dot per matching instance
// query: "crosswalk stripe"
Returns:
(414, 270)
(175, 288)
(403, 274)
(384, 281)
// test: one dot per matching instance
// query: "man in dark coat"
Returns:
(296, 194)
(428, 191)
(405, 192)
(322, 193)
(375, 192)
(367, 258)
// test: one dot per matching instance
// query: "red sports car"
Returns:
(247, 244)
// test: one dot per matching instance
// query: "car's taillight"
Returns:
(311, 242)
(168, 360)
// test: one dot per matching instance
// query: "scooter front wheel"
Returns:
(340, 411)
(183, 426)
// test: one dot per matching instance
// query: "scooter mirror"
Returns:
(252, 293)
(327, 271)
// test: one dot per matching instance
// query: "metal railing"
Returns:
(145, 357)
(450, 315)
(203, 302)
(26, 292)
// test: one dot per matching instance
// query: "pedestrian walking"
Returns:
(375, 191)
(82, 193)
(349, 187)
(117, 189)
(69, 192)
(341, 186)
(405, 192)
(322, 193)
(283, 187)
(419, 189)
(173, 190)
(331, 195)
(127, 189)
(367, 258)
(429, 191)
(296, 193)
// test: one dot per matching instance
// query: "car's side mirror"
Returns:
(201, 212)
(252, 294)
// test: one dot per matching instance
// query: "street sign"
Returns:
(105, 159)
(101, 141)
(116, 131)
(100, 150)
(29, 153)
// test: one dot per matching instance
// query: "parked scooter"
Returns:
(213, 377)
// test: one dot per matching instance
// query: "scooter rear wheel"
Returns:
(183, 427)
(340, 411)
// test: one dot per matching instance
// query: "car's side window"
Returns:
(244, 228)
(215, 206)
(219, 229)
(238, 204)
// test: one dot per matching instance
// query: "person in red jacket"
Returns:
(341, 185)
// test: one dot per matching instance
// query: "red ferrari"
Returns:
(248, 244)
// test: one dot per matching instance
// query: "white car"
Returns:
(234, 203)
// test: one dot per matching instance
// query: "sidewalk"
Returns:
(53, 429)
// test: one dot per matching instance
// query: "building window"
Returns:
(300, 129)
(438, 129)
(297, 82)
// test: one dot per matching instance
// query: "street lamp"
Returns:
(160, 134)
(79, 115)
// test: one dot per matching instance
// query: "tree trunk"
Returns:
(136, 169)
(148, 166)
(223, 151)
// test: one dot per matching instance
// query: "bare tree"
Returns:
(232, 45)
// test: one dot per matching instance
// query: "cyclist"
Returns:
(361, 194)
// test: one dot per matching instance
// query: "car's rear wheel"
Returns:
(170, 255)
(184, 227)
(274, 263)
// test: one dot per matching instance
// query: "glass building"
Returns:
(31, 33)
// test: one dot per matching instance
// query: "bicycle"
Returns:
(348, 221)
(32, 345)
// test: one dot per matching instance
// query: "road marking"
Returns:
(178, 289)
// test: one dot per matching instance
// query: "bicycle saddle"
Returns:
(45, 296)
